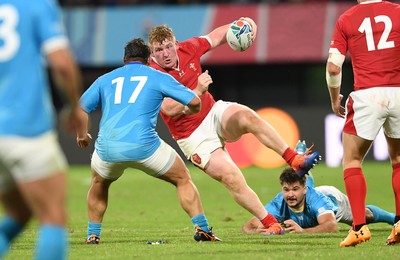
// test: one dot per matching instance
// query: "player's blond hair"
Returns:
(160, 33)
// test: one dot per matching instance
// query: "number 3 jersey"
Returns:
(370, 32)
(28, 31)
(130, 99)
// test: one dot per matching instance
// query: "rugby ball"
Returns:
(238, 35)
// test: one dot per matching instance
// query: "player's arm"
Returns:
(83, 138)
(217, 36)
(253, 226)
(326, 223)
(193, 107)
(334, 79)
(67, 76)
(173, 108)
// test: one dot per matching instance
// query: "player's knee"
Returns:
(233, 182)
(177, 178)
(251, 117)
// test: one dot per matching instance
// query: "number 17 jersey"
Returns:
(130, 98)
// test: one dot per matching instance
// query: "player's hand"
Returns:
(337, 108)
(253, 26)
(84, 140)
(292, 227)
(203, 82)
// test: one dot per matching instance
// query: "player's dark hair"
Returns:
(289, 176)
(137, 50)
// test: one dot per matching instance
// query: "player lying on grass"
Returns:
(302, 208)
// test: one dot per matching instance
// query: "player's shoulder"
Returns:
(194, 43)
(367, 6)
(115, 73)
(314, 193)
(278, 198)
(151, 71)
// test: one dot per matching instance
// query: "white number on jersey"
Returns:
(366, 27)
(120, 83)
(8, 34)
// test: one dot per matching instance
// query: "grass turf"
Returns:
(143, 209)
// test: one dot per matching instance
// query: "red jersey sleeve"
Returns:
(370, 32)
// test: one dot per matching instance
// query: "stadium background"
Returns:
(284, 70)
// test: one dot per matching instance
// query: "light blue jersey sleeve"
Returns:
(130, 98)
(30, 30)
(316, 204)
(171, 88)
(91, 99)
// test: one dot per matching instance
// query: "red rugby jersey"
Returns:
(370, 32)
(189, 69)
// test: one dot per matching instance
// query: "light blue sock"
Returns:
(201, 221)
(381, 215)
(94, 228)
(52, 243)
(9, 229)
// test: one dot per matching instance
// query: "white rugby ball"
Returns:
(238, 35)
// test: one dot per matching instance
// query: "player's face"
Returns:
(294, 194)
(165, 53)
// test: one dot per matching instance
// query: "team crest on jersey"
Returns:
(196, 158)
(192, 66)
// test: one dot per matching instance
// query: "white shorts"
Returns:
(370, 109)
(206, 138)
(24, 159)
(343, 215)
(156, 165)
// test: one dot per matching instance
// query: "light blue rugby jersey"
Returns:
(130, 99)
(316, 204)
(27, 29)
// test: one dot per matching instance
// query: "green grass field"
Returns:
(144, 209)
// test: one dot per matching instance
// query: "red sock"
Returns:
(356, 189)
(289, 155)
(396, 186)
(268, 220)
